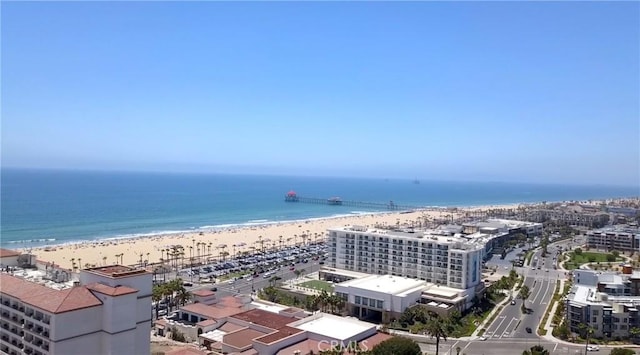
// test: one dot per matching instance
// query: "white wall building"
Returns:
(107, 312)
(380, 293)
(450, 260)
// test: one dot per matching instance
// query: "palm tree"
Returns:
(587, 331)
(156, 296)
(536, 350)
(438, 328)
(183, 296)
(525, 292)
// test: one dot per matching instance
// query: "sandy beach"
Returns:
(204, 244)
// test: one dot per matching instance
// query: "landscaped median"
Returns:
(554, 299)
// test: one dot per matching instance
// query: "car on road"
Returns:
(528, 329)
(593, 348)
(214, 289)
(482, 338)
(513, 302)
(292, 268)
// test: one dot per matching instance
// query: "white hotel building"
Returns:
(108, 311)
(450, 260)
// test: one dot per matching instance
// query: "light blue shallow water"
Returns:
(49, 207)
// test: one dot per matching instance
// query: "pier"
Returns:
(291, 196)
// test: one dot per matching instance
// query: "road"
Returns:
(510, 327)
(504, 347)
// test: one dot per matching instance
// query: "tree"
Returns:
(536, 350)
(156, 296)
(634, 332)
(183, 296)
(438, 328)
(622, 351)
(525, 292)
(586, 331)
(397, 346)
(577, 251)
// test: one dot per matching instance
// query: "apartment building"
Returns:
(606, 301)
(609, 316)
(449, 260)
(621, 238)
(105, 311)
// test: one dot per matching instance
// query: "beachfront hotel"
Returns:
(105, 311)
(433, 256)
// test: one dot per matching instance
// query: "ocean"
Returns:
(46, 207)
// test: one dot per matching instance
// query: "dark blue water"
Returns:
(49, 207)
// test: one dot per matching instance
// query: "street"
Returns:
(504, 347)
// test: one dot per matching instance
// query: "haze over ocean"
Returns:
(56, 206)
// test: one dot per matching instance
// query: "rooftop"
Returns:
(186, 351)
(111, 291)
(284, 332)
(5, 253)
(48, 299)
(211, 312)
(385, 283)
(331, 326)
(115, 271)
(203, 293)
(264, 318)
(242, 338)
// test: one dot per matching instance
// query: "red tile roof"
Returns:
(116, 271)
(370, 342)
(305, 347)
(48, 299)
(111, 291)
(210, 312)
(264, 318)
(279, 335)
(203, 293)
(241, 338)
(185, 351)
(5, 253)
(207, 322)
(230, 327)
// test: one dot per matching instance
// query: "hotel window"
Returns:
(365, 301)
(379, 304)
(372, 302)
(357, 299)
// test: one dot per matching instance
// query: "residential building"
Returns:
(620, 237)
(449, 260)
(608, 316)
(105, 311)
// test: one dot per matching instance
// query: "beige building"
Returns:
(106, 311)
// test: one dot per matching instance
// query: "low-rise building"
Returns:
(608, 316)
(621, 238)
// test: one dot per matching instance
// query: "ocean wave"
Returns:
(31, 241)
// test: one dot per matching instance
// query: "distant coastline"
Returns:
(42, 208)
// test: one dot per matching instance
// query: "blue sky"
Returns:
(500, 91)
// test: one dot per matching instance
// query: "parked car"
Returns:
(593, 348)
(482, 338)
(528, 329)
